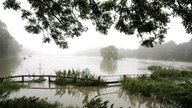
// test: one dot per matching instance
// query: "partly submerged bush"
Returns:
(38, 80)
(168, 85)
(76, 77)
(9, 86)
(172, 74)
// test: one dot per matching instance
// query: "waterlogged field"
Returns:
(73, 95)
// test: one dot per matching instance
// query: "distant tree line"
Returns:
(8, 45)
(167, 51)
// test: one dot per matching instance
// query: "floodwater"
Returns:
(71, 95)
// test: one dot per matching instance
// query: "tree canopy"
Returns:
(62, 19)
(8, 45)
(109, 53)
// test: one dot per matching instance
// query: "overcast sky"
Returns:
(89, 39)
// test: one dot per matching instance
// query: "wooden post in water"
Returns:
(86, 79)
(49, 79)
(99, 79)
(1, 80)
(75, 78)
(22, 78)
(124, 77)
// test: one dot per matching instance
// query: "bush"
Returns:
(76, 77)
(168, 85)
(9, 86)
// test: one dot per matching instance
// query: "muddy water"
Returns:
(70, 95)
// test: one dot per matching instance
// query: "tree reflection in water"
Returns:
(138, 101)
(109, 66)
(133, 100)
(76, 91)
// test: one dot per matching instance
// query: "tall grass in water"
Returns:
(9, 86)
(76, 77)
(167, 85)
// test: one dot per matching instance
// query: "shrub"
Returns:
(76, 77)
(169, 85)
(9, 86)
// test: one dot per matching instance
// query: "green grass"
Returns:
(170, 73)
(166, 85)
(78, 78)
(10, 86)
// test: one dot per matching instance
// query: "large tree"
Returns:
(109, 53)
(8, 45)
(61, 19)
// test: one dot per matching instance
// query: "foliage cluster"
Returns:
(27, 102)
(9, 86)
(109, 53)
(6, 87)
(76, 77)
(167, 85)
(171, 74)
(96, 103)
(8, 45)
(61, 19)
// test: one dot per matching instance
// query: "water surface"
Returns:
(70, 95)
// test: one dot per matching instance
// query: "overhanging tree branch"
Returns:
(141, 17)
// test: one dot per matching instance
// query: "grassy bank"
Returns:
(9, 86)
(78, 78)
(166, 85)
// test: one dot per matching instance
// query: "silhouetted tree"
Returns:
(8, 45)
(61, 19)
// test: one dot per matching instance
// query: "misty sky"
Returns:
(90, 39)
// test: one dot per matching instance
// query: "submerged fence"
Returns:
(21, 78)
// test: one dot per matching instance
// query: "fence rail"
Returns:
(124, 75)
(22, 77)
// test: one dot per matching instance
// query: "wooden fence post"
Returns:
(49, 78)
(86, 79)
(124, 77)
(1, 80)
(75, 78)
(22, 78)
(99, 78)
